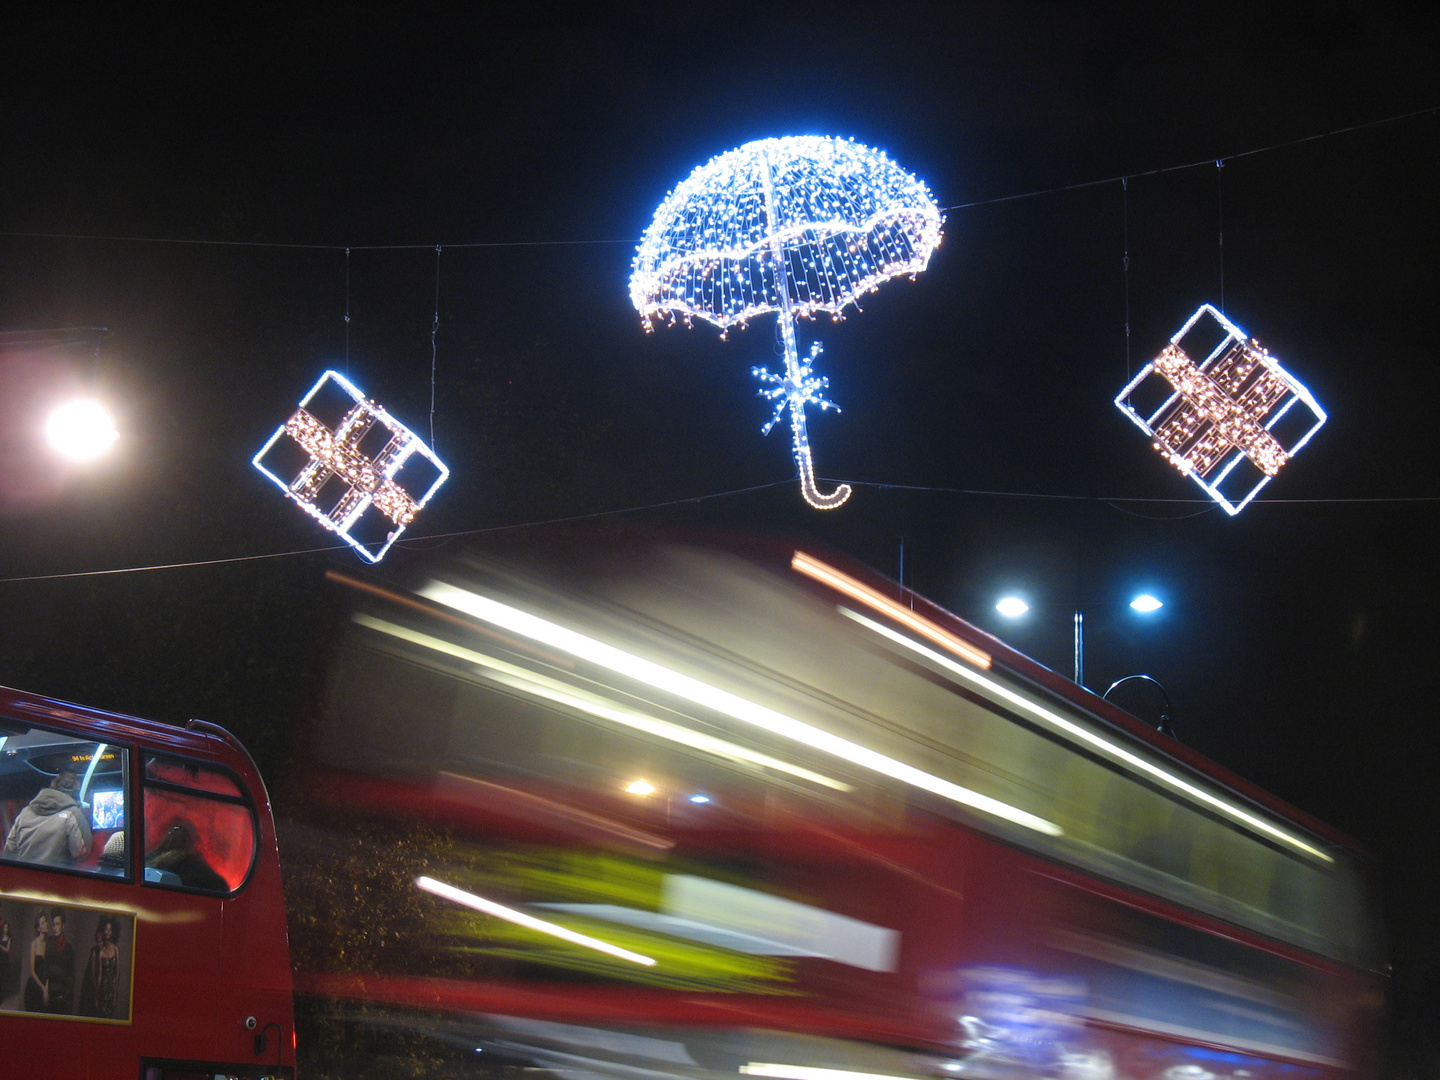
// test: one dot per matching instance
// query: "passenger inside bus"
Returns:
(177, 854)
(53, 828)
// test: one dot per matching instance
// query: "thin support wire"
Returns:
(434, 329)
(347, 313)
(1125, 262)
(1220, 221)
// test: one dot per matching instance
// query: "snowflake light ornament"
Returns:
(1228, 421)
(352, 466)
(798, 226)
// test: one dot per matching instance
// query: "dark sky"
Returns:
(1298, 640)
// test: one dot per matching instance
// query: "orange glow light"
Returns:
(844, 583)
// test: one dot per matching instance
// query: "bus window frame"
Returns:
(128, 875)
(245, 800)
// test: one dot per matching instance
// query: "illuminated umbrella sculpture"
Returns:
(796, 226)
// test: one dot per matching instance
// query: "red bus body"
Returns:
(211, 973)
(578, 733)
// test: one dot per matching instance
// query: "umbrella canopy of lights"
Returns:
(796, 226)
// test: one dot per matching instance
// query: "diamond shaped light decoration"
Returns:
(1220, 409)
(352, 466)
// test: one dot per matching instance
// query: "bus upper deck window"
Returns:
(63, 800)
(199, 827)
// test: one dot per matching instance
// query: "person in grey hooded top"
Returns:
(54, 828)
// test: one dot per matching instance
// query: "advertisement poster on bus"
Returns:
(65, 960)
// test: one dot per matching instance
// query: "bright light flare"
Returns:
(640, 787)
(80, 430)
(519, 918)
(532, 683)
(1012, 607)
(1145, 604)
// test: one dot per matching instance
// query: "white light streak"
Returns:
(810, 1072)
(877, 601)
(1220, 411)
(500, 911)
(540, 686)
(1145, 603)
(1012, 607)
(721, 701)
(798, 226)
(995, 690)
(80, 430)
(369, 480)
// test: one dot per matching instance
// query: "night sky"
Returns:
(1297, 641)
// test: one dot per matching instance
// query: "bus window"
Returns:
(199, 827)
(63, 800)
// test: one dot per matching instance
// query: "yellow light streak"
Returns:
(722, 701)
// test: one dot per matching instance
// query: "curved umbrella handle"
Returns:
(800, 443)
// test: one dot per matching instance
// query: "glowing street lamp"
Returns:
(1012, 607)
(80, 430)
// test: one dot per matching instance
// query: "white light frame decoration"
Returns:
(1221, 411)
(370, 479)
(797, 226)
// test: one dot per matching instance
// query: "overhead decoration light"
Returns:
(796, 226)
(1012, 607)
(80, 430)
(1145, 603)
(352, 466)
(1219, 415)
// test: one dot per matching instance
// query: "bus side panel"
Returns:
(173, 955)
(255, 964)
(1093, 980)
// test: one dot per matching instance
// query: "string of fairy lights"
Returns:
(797, 226)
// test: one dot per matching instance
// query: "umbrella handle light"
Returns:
(808, 489)
(804, 386)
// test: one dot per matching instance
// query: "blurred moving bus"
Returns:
(142, 926)
(608, 807)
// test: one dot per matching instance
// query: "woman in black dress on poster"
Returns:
(37, 983)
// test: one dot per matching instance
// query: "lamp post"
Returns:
(1012, 607)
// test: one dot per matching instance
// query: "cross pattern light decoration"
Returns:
(797, 226)
(1230, 421)
(352, 466)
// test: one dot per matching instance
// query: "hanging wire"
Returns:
(347, 313)
(1125, 262)
(434, 329)
(1220, 221)
(1429, 111)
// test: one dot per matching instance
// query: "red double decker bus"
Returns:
(602, 806)
(142, 924)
